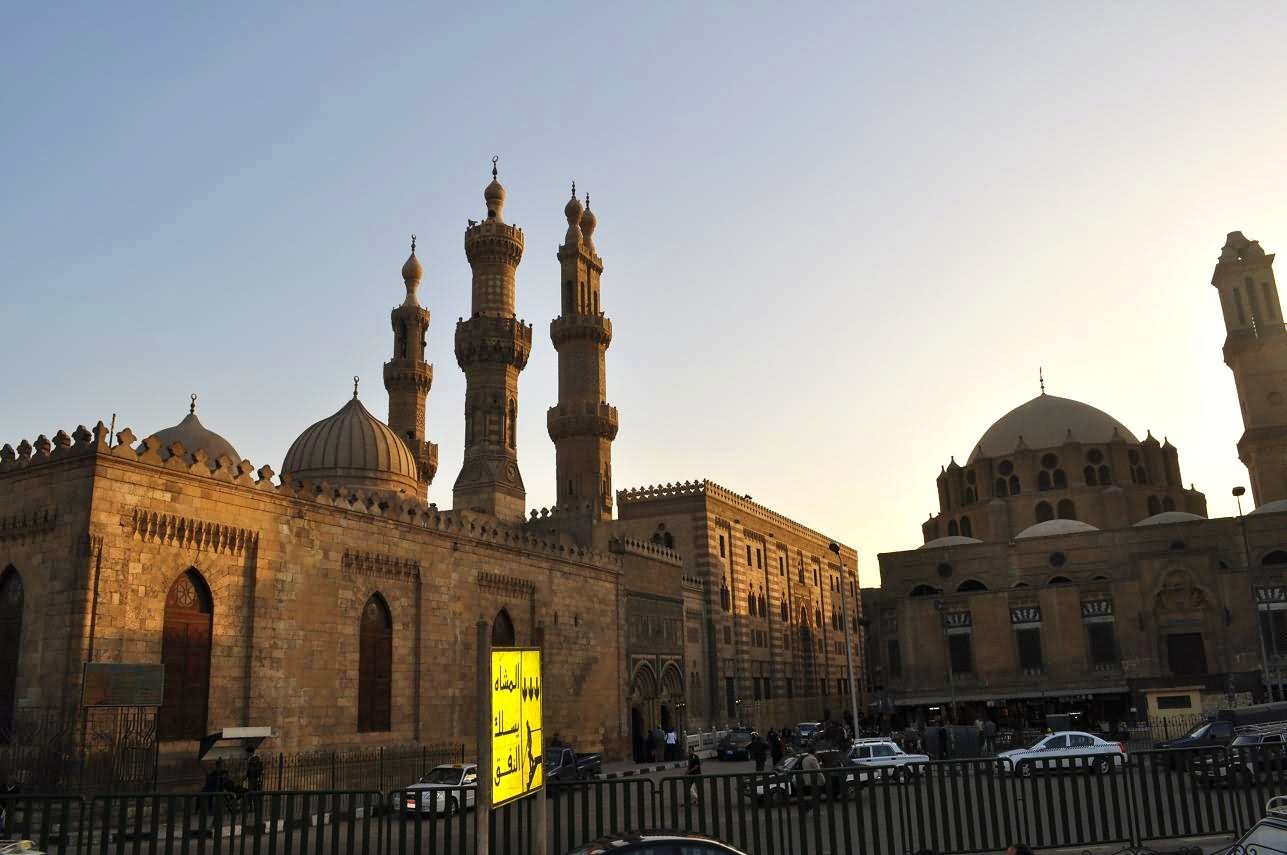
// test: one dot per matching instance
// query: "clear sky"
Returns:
(839, 240)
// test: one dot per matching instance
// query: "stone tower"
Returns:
(582, 425)
(407, 377)
(492, 346)
(1255, 348)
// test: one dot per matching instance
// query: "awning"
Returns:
(972, 696)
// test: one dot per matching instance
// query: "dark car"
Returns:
(657, 843)
(735, 745)
(1267, 835)
(1252, 758)
(563, 765)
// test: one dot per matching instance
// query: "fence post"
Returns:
(381, 787)
(332, 769)
(281, 771)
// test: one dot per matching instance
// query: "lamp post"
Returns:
(849, 650)
(1266, 669)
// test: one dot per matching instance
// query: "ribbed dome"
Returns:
(1169, 517)
(1044, 422)
(194, 436)
(1053, 527)
(950, 540)
(353, 448)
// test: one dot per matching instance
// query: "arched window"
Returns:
(185, 656)
(11, 599)
(1105, 475)
(971, 585)
(952, 528)
(511, 425)
(1014, 485)
(1067, 510)
(967, 528)
(786, 613)
(970, 497)
(1043, 480)
(1061, 480)
(725, 601)
(1168, 504)
(1019, 585)
(750, 604)
(1089, 475)
(1154, 506)
(924, 591)
(1044, 512)
(764, 606)
(1059, 580)
(503, 630)
(1000, 488)
(375, 663)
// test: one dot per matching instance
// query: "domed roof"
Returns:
(1045, 422)
(194, 436)
(1049, 528)
(353, 448)
(1169, 517)
(950, 540)
(1276, 507)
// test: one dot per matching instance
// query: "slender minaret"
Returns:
(407, 377)
(1255, 349)
(582, 425)
(492, 346)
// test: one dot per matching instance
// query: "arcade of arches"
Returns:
(654, 704)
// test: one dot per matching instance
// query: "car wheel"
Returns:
(777, 796)
(1101, 766)
(1024, 769)
(453, 806)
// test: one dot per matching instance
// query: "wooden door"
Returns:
(375, 667)
(185, 653)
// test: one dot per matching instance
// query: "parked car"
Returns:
(809, 732)
(441, 791)
(1267, 835)
(734, 745)
(1252, 758)
(1208, 734)
(786, 781)
(1065, 750)
(563, 765)
(883, 759)
(657, 843)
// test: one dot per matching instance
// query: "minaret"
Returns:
(492, 346)
(1256, 350)
(407, 377)
(582, 425)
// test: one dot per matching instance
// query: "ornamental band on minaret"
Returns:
(492, 346)
(408, 377)
(582, 425)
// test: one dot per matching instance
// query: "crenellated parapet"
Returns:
(594, 328)
(492, 339)
(628, 545)
(582, 419)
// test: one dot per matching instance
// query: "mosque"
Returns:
(1070, 570)
(332, 603)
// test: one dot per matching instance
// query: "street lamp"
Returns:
(849, 650)
(1265, 672)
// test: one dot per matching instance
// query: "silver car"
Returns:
(442, 790)
(883, 760)
(1065, 750)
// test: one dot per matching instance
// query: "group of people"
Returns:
(661, 745)
(218, 780)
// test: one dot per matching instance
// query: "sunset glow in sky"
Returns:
(839, 240)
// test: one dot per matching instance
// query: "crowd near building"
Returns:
(1070, 570)
(334, 604)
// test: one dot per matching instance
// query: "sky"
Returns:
(839, 240)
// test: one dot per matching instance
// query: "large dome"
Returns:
(353, 448)
(1044, 422)
(195, 436)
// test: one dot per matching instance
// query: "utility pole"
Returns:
(849, 650)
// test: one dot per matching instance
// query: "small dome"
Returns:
(1271, 507)
(572, 210)
(588, 219)
(1169, 517)
(412, 270)
(194, 435)
(1047, 421)
(353, 448)
(494, 192)
(950, 540)
(1050, 528)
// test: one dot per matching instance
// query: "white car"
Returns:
(1061, 751)
(441, 791)
(882, 759)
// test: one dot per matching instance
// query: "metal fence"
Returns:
(382, 768)
(959, 806)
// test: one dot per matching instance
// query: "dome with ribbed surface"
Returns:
(353, 448)
(1048, 421)
(195, 436)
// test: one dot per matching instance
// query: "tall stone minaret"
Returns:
(582, 425)
(407, 377)
(492, 346)
(1256, 350)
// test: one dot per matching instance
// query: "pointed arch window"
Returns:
(967, 528)
(375, 666)
(1001, 488)
(1105, 475)
(185, 656)
(750, 604)
(1067, 510)
(1168, 504)
(503, 630)
(1090, 477)
(11, 602)
(1060, 479)
(1154, 506)
(786, 613)
(952, 528)
(1014, 485)
(725, 601)
(1045, 513)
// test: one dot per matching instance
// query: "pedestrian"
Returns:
(650, 747)
(661, 743)
(758, 750)
(776, 751)
(944, 741)
(672, 745)
(254, 770)
(811, 780)
(694, 772)
(989, 737)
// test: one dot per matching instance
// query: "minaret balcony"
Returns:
(570, 420)
(402, 373)
(569, 327)
(491, 241)
(427, 458)
(490, 338)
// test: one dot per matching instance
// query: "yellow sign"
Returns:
(518, 750)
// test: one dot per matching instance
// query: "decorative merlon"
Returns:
(28, 524)
(503, 584)
(187, 533)
(379, 564)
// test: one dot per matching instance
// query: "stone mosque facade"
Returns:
(332, 603)
(1070, 570)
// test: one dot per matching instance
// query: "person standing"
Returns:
(811, 780)
(989, 737)
(776, 750)
(650, 747)
(672, 745)
(694, 772)
(758, 751)
(254, 771)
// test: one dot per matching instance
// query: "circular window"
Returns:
(1058, 559)
(945, 569)
(1006, 467)
(1049, 461)
(1095, 455)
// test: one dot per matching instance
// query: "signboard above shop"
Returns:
(518, 747)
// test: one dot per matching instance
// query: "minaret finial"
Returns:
(413, 244)
(574, 189)
(1041, 379)
(495, 157)
(355, 382)
(587, 202)
(192, 407)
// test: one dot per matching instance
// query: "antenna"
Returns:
(1041, 379)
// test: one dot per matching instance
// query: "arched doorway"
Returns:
(502, 630)
(185, 655)
(637, 735)
(643, 703)
(672, 700)
(11, 599)
(375, 667)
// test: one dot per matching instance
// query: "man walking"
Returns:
(989, 737)
(811, 780)
(758, 751)
(775, 748)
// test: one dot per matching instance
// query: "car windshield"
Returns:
(1247, 740)
(1198, 731)
(553, 756)
(442, 776)
(1035, 741)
